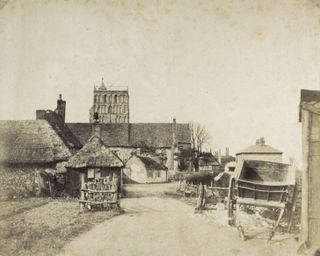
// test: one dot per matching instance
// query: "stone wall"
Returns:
(17, 182)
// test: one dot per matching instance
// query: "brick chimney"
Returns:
(174, 132)
(172, 164)
(261, 141)
(61, 108)
(96, 126)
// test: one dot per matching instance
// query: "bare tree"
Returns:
(199, 137)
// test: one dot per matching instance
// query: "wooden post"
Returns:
(310, 120)
(82, 186)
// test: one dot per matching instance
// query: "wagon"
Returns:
(261, 184)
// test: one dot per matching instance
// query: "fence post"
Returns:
(82, 186)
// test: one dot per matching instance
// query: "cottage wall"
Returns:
(18, 181)
(156, 176)
(136, 171)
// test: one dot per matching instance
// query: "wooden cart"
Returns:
(261, 184)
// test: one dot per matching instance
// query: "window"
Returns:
(97, 173)
(109, 109)
(90, 173)
(115, 98)
(104, 98)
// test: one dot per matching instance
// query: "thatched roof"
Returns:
(30, 142)
(94, 154)
(151, 135)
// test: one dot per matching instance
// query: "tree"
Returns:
(199, 137)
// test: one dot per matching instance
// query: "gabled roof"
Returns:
(207, 158)
(94, 154)
(153, 135)
(150, 163)
(33, 141)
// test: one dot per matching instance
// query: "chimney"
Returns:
(96, 126)
(227, 152)
(174, 132)
(172, 164)
(61, 108)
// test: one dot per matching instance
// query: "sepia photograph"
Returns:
(159, 127)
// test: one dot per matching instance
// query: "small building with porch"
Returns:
(92, 162)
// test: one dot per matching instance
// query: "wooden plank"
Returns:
(265, 191)
(259, 202)
(98, 191)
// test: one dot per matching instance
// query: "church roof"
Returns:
(153, 135)
(30, 141)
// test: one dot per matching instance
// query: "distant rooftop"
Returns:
(260, 148)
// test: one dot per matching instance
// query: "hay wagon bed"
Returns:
(261, 184)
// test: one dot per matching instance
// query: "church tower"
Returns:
(111, 104)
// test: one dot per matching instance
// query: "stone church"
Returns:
(165, 142)
(111, 104)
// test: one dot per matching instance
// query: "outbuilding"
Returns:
(92, 162)
(145, 169)
(259, 151)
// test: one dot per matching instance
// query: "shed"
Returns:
(143, 169)
(91, 162)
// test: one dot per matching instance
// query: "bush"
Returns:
(197, 178)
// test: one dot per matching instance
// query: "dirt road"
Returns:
(165, 226)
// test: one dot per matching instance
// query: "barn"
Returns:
(145, 169)
(26, 148)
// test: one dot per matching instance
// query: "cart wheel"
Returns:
(231, 203)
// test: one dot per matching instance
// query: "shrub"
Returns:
(197, 178)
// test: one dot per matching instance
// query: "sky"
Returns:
(236, 67)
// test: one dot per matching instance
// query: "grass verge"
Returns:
(43, 228)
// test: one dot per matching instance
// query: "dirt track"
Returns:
(165, 226)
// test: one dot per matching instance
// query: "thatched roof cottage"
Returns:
(27, 146)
